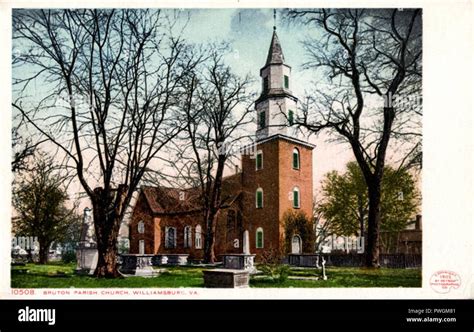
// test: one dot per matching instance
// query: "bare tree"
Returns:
(216, 118)
(366, 53)
(113, 86)
(23, 149)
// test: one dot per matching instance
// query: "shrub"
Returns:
(69, 256)
(297, 223)
(272, 266)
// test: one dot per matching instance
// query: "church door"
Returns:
(296, 244)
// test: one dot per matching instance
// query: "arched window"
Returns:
(187, 237)
(259, 238)
(296, 197)
(198, 238)
(259, 198)
(141, 227)
(296, 158)
(170, 237)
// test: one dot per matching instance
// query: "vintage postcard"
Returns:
(229, 150)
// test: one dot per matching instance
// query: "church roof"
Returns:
(170, 201)
(275, 93)
(275, 53)
(167, 200)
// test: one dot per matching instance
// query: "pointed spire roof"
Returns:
(275, 53)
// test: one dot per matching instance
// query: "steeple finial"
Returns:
(274, 19)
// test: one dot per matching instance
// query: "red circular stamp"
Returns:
(443, 281)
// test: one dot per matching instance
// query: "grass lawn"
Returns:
(62, 276)
(45, 276)
(349, 277)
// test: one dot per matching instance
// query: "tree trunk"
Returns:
(108, 215)
(373, 225)
(362, 212)
(209, 255)
(107, 228)
(213, 210)
(43, 252)
(107, 262)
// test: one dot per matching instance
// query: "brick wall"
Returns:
(290, 178)
(277, 178)
(179, 223)
(267, 179)
(141, 212)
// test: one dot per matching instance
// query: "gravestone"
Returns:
(226, 278)
(246, 245)
(244, 261)
(170, 259)
(86, 253)
(240, 262)
(138, 265)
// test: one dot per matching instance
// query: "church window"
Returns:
(296, 159)
(187, 237)
(259, 160)
(296, 197)
(259, 238)
(259, 198)
(287, 82)
(170, 237)
(141, 227)
(265, 84)
(198, 237)
(290, 117)
(261, 120)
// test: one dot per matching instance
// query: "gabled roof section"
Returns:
(173, 201)
(164, 200)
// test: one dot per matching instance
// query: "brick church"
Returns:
(275, 178)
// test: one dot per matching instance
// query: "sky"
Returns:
(249, 32)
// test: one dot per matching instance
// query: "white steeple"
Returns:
(276, 105)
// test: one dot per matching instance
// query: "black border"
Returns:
(305, 315)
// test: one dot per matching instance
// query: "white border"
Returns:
(448, 146)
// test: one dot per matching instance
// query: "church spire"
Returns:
(275, 53)
(276, 98)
